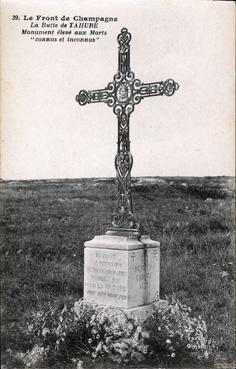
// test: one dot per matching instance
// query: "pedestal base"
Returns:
(140, 313)
(121, 271)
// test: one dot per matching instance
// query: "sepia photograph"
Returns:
(117, 184)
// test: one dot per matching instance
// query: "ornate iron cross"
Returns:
(122, 94)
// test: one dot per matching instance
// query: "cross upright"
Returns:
(122, 94)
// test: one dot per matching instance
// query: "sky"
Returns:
(46, 134)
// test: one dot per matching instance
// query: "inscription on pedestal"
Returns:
(114, 277)
(105, 276)
(143, 275)
(118, 277)
(152, 274)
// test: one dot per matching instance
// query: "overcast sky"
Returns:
(46, 134)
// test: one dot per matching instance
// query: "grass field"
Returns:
(44, 225)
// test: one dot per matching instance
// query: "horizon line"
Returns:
(113, 177)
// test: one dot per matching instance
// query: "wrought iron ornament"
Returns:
(122, 94)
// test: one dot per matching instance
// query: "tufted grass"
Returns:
(44, 225)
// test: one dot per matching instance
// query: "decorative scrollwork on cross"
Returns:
(122, 94)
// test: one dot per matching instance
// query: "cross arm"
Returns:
(93, 96)
(167, 88)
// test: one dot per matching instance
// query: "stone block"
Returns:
(121, 272)
(114, 277)
(140, 313)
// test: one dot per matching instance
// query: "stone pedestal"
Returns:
(123, 272)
